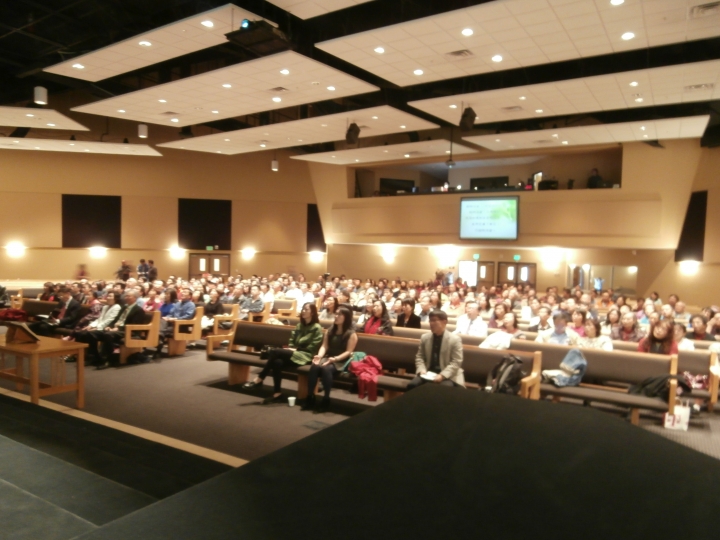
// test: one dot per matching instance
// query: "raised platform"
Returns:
(442, 462)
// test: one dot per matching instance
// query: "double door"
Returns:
(516, 273)
(217, 264)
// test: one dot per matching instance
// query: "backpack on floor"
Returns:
(505, 377)
(659, 387)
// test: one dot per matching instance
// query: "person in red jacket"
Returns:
(660, 339)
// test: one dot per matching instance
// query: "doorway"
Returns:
(517, 274)
(217, 264)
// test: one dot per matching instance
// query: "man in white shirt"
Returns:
(423, 310)
(305, 296)
(542, 322)
(560, 334)
(471, 323)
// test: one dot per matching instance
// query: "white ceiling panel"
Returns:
(79, 147)
(37, 118)
(685, 83)
(170, 41)
(307, 9)
(372, 122)
(522, 32)
(394, 152)
(237, 90)
(670, 128)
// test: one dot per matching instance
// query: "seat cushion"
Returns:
(605, 396)
(392, 383)
(238, 358)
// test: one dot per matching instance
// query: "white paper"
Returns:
(429, 376)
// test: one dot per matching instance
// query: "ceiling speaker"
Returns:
(467, 121)
(353, 132)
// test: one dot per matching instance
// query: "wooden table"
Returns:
(51, 348)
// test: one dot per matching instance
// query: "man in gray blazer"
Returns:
(440, 352)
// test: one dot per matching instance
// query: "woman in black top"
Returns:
(337, 347)
(408, 318)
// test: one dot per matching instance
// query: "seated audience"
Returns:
(660, 339)
(470, 323)
(67, 317)
(544, 322)
(253, 303)
(505, 334)
(338, 345)
(90, 334)
(115, 335)
(395, 309)
(152, 301)
(629, 329)
(593, 338)
(330, 308)
(497, 317)
(683, 343)
(560, 334)
(612, 320)
(440, 355)
(48, 294)
(454, 307)
(680, 315)
(578, 318)
(181, 311)
(423, 309)
(699, 329)
(407, 318)
(378, 322)
(171, 298)
(212, 308)
(304, 344)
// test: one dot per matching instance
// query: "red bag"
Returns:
(13, 315)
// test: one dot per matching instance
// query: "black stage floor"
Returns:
(442, 462)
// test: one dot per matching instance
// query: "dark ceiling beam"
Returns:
(29, 35)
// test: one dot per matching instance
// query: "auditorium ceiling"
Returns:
(214, 67)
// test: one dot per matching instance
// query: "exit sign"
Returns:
(516, 257)
(208, 248)
(476, 257)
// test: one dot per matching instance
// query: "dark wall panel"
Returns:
(204, 222)
(315, 235)
(91, 220)
(691, 246)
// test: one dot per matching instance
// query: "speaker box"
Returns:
(353, 132)
(467, 121)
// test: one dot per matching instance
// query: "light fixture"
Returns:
(142, 131)
(97, 252)
(40, 95)
(78, 66)
(497, 58)
(51, 125)
(331, 88)
(263, 144)
(215, 112)
(634, 83)
(277, 99)
(227, 140)
(388, 253)
(174, 120)
(30, 115)
(689, 268)
(248, 253)
(627, 36)
(177, 252)
(285, 72)
(374, 117)
(617, 2)
(323, 125)
(418, 72)
(316, 256)
(453, 106)
(121, 110)
(379, 50)
(407, 155)
(639, 100)
(497, 140)
(274, 165)
(450, 163)
(207, 24)
(357, 161)
(632, 269)
(642, 128)
(522, 98)
(162, 100)
(565, 142)
(227, 85)
(145, 43)
(467, 32)
(15, 249)
(539, 111)
(245, 24)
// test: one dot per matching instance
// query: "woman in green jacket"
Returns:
(304, 344)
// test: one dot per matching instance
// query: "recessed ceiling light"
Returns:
(332, 156)
(162, 100)
(37, 148)
(379, 50)
(639, 100)
(538, 111)
(453, 106)
(331, 88)
(16, 142)
(323, 125)
(642, 128)
(219, 152)
(227, 140)
(145, 43)
(522, 98)
(565, 142)
(374, 117)
(72, 144)
(447, 151)
(285, 72)
(384, 151)
(226, 85)
(407, 155)
(51, 125)
(215, 112)
(555, 135)
(645, 136)
(467, 32)
(121, 110)
(207, 24)
(78, 66)
(357, 161)
(497, 140)
(86, 150)
(627, 36)
(418, 72)
(497, 58)
(617, 2)
(403, 127)
(277, 99)
(263, 145)
(634, 83)
(30, 115)
(300, 140)
(174, 120)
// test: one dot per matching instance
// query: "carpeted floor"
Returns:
(187, 398)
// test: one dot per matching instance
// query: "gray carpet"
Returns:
(188, 398)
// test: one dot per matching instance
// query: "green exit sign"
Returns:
(516, 257)
(208, 248)
(476, 257)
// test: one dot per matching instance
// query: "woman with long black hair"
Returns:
(337, 347)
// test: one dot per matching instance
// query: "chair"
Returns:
(230, 313)
(260, 316)
(134, 345)
(177, 344)
(17, 300)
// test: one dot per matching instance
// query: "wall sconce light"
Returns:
(446, 255)
(15, 249)
(97, 252)
(40, 95)
(632, 269)
(142, 131)
(317, 256)
(586, 267)
(388, 254)
(689, 268)
(248, 253)
(177, 252)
